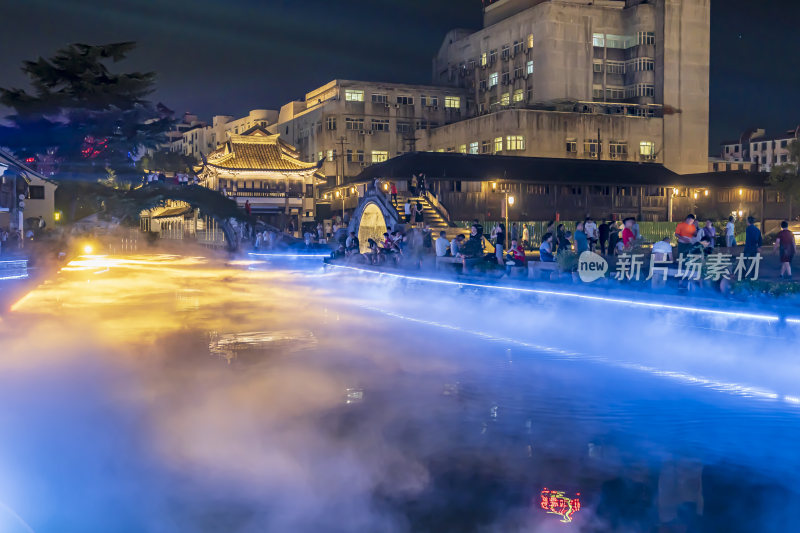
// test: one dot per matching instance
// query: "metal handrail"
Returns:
(441, 209)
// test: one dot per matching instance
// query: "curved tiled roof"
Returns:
(258, 150)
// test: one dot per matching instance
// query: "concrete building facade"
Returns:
(195, 138)
(763, 152)
(628, 60)
(352, 124)
(17, 179)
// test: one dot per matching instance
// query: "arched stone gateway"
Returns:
(371, 218)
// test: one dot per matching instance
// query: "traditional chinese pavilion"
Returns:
(260, 169)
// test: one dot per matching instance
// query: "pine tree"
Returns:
(81, 117)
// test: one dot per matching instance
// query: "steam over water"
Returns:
(164, 393)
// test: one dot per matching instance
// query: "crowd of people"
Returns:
(510, 247)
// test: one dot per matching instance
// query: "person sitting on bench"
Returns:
(516, 255)
(546, 249)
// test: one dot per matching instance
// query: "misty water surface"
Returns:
(176, 393)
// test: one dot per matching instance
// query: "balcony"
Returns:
(263, 193)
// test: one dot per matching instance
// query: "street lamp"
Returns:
(509, 203)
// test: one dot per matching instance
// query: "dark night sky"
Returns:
(226, 57)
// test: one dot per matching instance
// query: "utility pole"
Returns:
(342, 143)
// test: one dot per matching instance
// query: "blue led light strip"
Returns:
(737, 389)
(20, 276)
(288, 255)
(562, 294)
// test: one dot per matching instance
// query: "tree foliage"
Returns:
(786, 177)
(164, 161)
(80, 114)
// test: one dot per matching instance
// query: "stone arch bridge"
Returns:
(373, 215)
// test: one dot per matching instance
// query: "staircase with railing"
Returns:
(434, 213)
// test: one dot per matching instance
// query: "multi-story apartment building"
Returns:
(197, 139)
(763, 152)
(352, 124)
(602, 79)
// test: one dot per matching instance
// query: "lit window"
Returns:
(379, 156)
(494, 77)
(331, 155)
(515, 142)
(380, 99)
(519, 95)
(473, 147)
(530, 41)
(647, 149)
(498, 144)
(529, 67)
(484, 59)
(462, 149)
(599, 40)
(505, 99)
(452, 102)
(354, 95)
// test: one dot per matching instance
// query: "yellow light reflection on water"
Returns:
(141, 297)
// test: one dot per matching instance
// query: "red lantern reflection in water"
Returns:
(557, 502)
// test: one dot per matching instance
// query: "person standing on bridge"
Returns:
(394, 193)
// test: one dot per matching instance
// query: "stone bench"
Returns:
(538, 268)
(516, 271)
(448, 260)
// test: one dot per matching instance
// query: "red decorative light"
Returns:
(558, 503)
(93, 147)
(29, 159)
